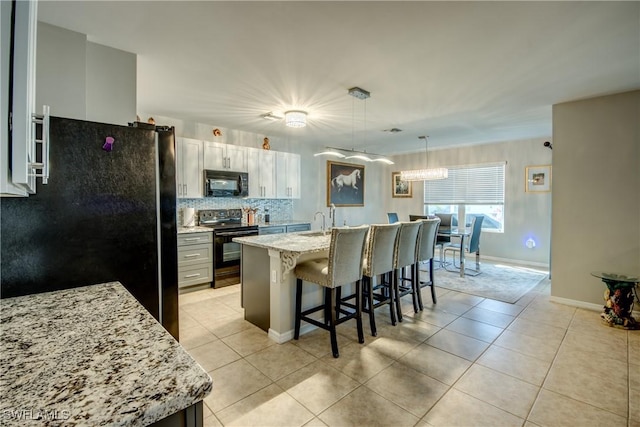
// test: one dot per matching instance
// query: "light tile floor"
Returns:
(465, 361)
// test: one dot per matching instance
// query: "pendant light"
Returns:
(346, 153)
(425, 174)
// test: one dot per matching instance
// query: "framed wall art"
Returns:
(400, 188)
(345, 184)
(537, 179)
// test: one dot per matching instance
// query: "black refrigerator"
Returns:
(107, 214)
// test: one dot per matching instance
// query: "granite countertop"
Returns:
(282, 222)
(301, 242)
(91, 356)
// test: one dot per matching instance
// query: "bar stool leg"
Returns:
(296, 334)
(416, 273)
(433, 288)
(392, 311)
(415, 287)
(330, 304)
(359, 311)
(395, 290)
(368, 285)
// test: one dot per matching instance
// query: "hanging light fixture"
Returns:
(350, 153)
(425, 174)
(295, 118)
(345, 153)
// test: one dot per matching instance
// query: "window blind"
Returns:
(469, 185)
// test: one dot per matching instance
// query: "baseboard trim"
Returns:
(576, 303)
(282, 338)
(493, 259)
(586, 305)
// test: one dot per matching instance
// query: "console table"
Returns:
(618, 306)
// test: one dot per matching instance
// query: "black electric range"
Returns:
(226, 224)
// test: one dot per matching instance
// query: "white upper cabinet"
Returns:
(287, 176)
(19, 165)
(219, 156)
(189, 168)
(262, 177)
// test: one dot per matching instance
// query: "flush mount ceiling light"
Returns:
(295, 118)
(425, 174)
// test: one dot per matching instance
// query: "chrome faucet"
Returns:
(332, 215)
(324, 226)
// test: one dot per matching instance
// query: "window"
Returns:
(469, 191)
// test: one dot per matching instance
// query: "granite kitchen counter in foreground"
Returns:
(92, 356)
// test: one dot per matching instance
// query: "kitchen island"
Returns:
(93, 356)
(268, 283)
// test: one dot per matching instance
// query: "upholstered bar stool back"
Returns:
(426, 251)
(378, 263)
(343, 266)
(406, 255)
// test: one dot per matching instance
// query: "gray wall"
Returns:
(526, 214)
(596, 193)
(84, 80)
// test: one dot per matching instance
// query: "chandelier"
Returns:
(425, 174)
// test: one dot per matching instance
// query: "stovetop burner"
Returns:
(222, 218)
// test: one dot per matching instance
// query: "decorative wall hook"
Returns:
(108, 143)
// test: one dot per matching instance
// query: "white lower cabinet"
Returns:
(195, 259)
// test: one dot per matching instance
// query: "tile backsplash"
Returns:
(279, 209)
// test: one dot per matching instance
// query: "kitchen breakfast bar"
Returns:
(268, 283)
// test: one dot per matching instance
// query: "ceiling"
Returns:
(461, 72)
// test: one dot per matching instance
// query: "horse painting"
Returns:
(350, 180)
(345, 184)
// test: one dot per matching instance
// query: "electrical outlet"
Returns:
(274, 276)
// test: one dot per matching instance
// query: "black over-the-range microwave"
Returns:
(226, 184)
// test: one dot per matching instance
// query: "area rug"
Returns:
(500, 282)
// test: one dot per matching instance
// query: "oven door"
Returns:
(227, 252)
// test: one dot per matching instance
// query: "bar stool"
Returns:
(377, 268)
(342, 267)
(406, 255)
(426, 251)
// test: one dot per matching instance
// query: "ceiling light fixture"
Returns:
(354, 154)
(425, 174)
(271, 116)
(295, 118)
(345, 153)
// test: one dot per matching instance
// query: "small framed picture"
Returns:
(537, 179)
(400, 188)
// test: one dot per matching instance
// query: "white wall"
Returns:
(83, 80)
(526, 214)
(111, 84)
(596, 193)
(60, 71)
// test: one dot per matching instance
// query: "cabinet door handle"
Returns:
(185, 190)
(192, 239)
(188, 276)
(191, 255)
